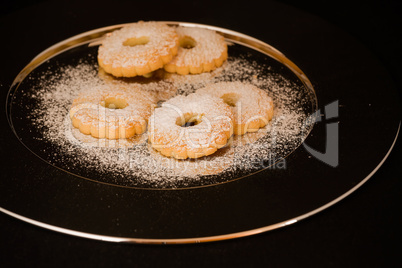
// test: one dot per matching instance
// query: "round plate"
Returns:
(45, 188)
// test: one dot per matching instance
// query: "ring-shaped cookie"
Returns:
(252, 107)
(138, 49)
(190, 126)
(112, 113)
(201, 50)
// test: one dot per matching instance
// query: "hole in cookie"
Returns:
(114, 103)
(136, 41)
(189, 120)
(230, 99)
(159, 103)
(187, 42)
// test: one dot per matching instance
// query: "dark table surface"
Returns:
(362, 229)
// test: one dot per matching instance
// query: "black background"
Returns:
(363, 229)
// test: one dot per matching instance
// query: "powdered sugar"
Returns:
(132, 162)
(209, 46)
(138, 48)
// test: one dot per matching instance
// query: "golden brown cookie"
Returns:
(252, 107)
(201, 50)
(190, 126)
(138, 49)
(112, 113)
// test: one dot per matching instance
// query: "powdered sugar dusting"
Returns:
(161, 39)
(132, 162)
(209, 47)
